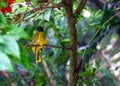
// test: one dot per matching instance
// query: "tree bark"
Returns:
(73, 42)
(48, 73)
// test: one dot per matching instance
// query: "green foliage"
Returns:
(24, 56)
(47, 14)
(9, 47)
(2, 4)
(5, 63)
(19, 0)
(85, 77)
(13, 39)
(34, 2)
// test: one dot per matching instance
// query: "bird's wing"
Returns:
(43, 40)
(36, 38)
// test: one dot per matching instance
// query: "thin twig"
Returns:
(47, 45)
(80, 7)
(106, 58)
(116, 57)
(115, 66)
(48, 73)
(91, 39)
(52, 3)
(6, 75)
(35, 9)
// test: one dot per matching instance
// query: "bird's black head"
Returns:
(40, 28)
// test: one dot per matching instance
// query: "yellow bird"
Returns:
(39, 39)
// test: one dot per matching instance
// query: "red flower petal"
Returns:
(3, 10)
(6, 9)
(10, 2)
(9, 9)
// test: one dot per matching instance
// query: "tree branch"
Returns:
(36, 9)
(73, 41)
(6, 75)
(52, 3)
(48, 73)
(80, 7)
(106, 59)
(47, 45)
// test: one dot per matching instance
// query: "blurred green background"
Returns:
(101, 65)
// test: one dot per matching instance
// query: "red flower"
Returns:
(10, 2)
(8, 8)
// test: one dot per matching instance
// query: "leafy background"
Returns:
(101, 65)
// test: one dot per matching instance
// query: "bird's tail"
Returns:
(38, 58)
(36, 52)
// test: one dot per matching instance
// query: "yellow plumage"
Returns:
(40, 39)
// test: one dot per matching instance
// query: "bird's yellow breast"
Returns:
(39, 38)
(42, 38)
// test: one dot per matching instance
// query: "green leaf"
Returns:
(19, 0)
(65, 40)
(2, 19)
(34, 2)
(1, 41)
(15, 32)
(2, 4)
(18, 33)
(47, 15)
(87, 73)
(24, 56)
(5, 64)
(10, 46)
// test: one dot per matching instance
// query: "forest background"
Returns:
(83, 42)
